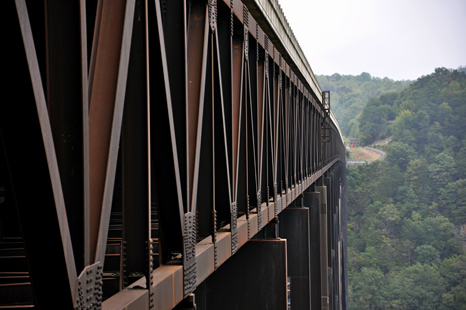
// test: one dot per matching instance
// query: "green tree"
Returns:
(390, 217)
(401, 128)
(442, 170)
(453, 270)
(428, 285)
(445, 118)
(400, 154)
(453, 201)
(460, 159)
(364, 77)
(389, 178)
(420, 128)
(366, 291)
(417, 177)
(435, 142)
(436, 232)
(427, 254)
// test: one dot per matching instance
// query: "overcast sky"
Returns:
(398, 39)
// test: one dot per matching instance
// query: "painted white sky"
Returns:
(398, 39)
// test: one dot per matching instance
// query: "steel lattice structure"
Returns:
(148, 141)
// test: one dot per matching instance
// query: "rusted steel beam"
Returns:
(236, 93)
(220, 39)
(276, 93)
(251, 126)
(85, 132)
(103, 80)
(268, 129)
(196, 64)
(115, 132)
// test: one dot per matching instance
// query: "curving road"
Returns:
(352, 162)
(378, 151)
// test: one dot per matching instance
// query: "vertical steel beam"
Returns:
(286, 134)
(109, 63)
(166, 171)
(252, 126)
(197, 65)
(205, 210)
(269, 124)
(104, 71)
(261, 184)
(64, 101)
(197, 45)
(237, 59)
(173, 43)
(276, 88)
(135, 157)
(222, 115)
(115, 129)
(85, 132)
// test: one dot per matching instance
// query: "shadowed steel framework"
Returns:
(166, 155)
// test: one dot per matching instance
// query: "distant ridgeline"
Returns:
(350, 94)
(404, 249)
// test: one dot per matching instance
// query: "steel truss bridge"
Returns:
(166, 155)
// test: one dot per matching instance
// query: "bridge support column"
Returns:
(312, 201)
(329, 183)
(294, 227)
(323, 248)
(254, 278)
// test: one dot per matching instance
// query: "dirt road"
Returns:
(365, 154)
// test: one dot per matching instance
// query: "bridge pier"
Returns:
(323, 236)
(294, 227)
(312, 201)
(232, 286)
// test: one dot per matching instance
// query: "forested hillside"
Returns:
(350, 94)
(403, 251)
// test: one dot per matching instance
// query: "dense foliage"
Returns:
(349, 95)
(433, 100)
(403, 252)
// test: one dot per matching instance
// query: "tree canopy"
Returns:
(350, 94)
(402, 211)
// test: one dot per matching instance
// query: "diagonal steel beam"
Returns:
(103, 80)
(48, 141)
(198, 42)
(85, 124)
(115, 131)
